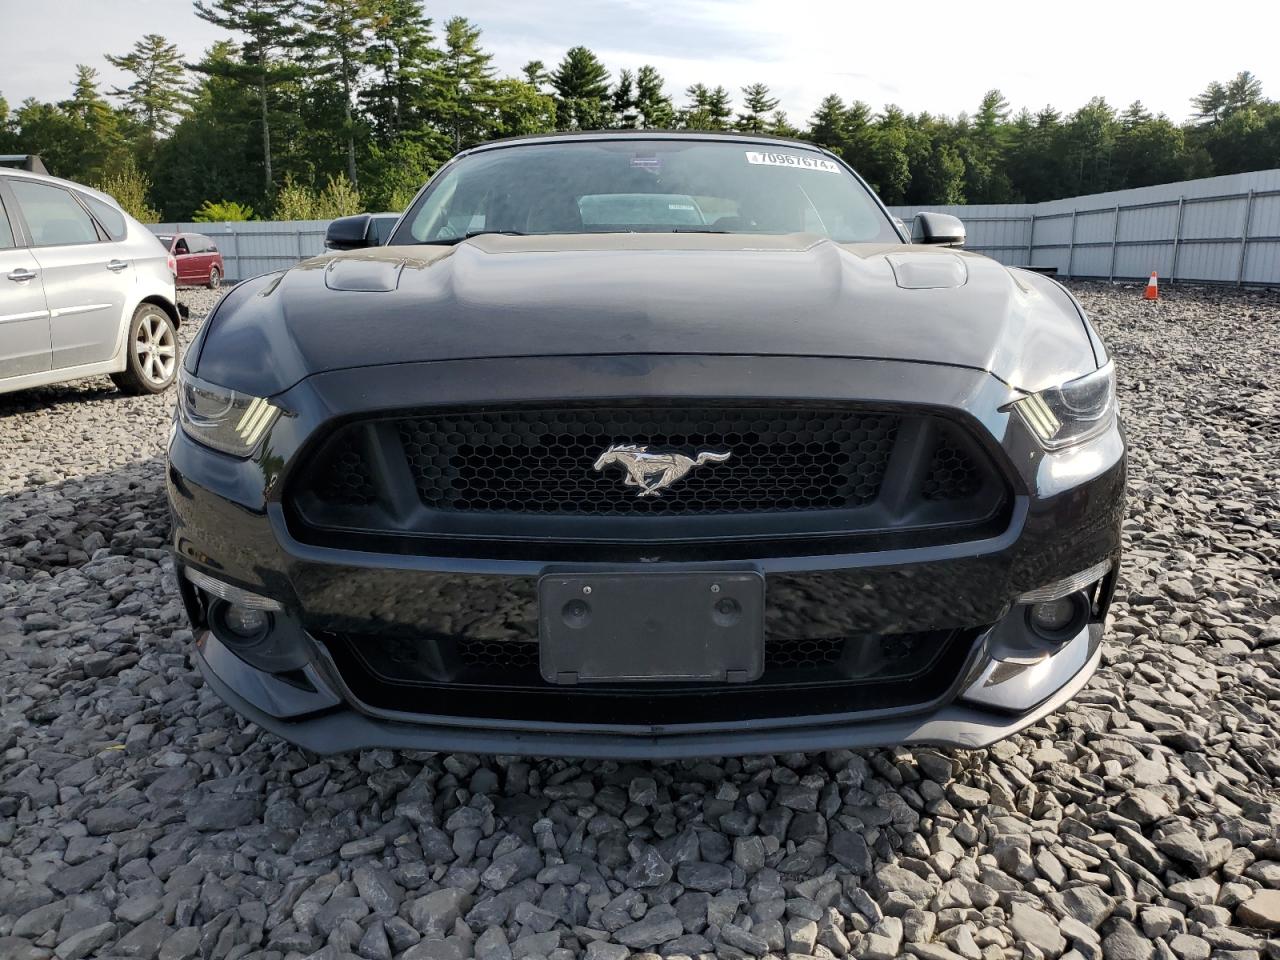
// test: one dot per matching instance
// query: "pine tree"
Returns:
(696, 115)
(86, 103)
(858, 134)
(622, 101)
(758, 105)
(827, 125)
(1211, 103)
(1244, 91)
(780, 126)
(1135, 114)
(719, 109)
(880, 152)
(271, 40)
(1089, 139)
(402, 56)
(535, 74)
(88, 142)
(654, 107)
(156, 97)
(707, 109)
(581, 83)
(462, 88)
(336, 41)
(983, 150)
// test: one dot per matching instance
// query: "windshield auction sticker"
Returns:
(792, 160)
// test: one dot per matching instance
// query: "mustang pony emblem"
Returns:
(654, 472)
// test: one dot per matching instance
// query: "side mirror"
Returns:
(937, 228)
(348, 233)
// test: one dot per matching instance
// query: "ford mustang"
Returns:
(647, 445)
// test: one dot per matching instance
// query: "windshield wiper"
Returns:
(696, 230)
(450, 241)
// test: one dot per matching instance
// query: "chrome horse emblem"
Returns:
(653, 472)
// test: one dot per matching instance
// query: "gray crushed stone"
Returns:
(140, 818)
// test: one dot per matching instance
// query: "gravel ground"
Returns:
(140, 818)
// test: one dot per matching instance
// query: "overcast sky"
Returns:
(923, 55)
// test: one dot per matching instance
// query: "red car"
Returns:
(196, 260)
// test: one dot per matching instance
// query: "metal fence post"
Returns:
(1177, 237)
(235, 256)
(1031, 240)
(1115, 235)
(1071, 244)
(1244, 238)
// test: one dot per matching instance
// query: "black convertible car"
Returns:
(641, 445)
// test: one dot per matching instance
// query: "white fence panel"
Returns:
(1219, 229)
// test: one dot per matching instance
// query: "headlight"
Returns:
(1073, 412)
(222, 418)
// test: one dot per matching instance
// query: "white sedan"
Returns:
(85, 289)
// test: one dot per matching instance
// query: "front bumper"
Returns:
(229, 523)
(324, 723)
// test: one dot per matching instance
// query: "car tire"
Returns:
(215, 278)
(151, 353)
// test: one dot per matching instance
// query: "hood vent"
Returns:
(363, 274)
(914, 271)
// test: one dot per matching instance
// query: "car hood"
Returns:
(503, 296)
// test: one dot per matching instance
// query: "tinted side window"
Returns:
(6, 231)
(181, 246)
(112, 220)
(52, 214)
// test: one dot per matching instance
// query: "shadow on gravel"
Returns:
(24, 401)
(62, 524)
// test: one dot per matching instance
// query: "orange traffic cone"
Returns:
(1153, 288)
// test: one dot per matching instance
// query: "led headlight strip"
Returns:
(1039, 416)
(254, 422)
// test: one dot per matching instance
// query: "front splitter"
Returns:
(341, 729)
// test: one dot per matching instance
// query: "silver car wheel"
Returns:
(155, 348)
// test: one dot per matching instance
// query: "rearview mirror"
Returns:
(348, 233)
(937, 228)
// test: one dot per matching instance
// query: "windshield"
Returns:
(646, 186)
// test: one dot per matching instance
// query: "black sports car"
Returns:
(644, 445)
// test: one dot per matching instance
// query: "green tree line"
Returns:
(314, 108)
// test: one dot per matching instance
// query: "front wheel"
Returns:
(152, 361)
(215, 278)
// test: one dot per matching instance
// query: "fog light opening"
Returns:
(239, 626)
(1060, 619)
(244, 622)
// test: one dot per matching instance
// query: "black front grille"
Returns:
(467, 676)
(953, 472)
(545, 474)
(544, 462)
(343, 474)
(501, 655)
